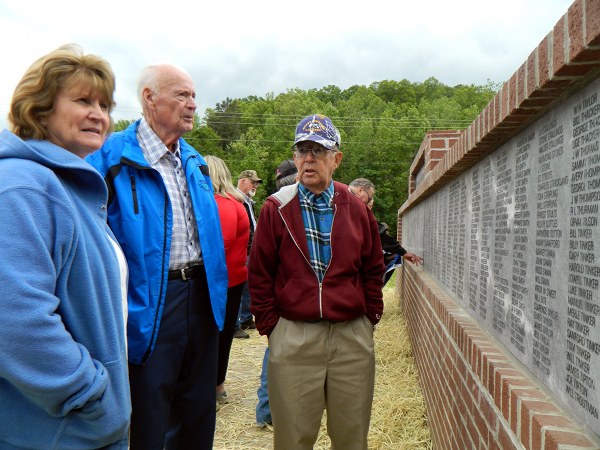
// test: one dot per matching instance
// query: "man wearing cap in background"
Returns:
(315, 276)
(248, 182)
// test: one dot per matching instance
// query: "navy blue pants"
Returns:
(173, 394)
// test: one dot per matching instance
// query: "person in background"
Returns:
(285, 174)
(365, 190)
(63, 360)
(248, 182)
(317, 294)
(164, 214)
(236, 232)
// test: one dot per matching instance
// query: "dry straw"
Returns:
(398, 420)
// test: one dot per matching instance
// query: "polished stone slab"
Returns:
(516, 241)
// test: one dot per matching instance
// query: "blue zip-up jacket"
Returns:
(63, 362)
(141, 217)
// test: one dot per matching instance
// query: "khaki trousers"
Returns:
(321, 365)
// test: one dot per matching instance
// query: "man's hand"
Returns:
(412, 258)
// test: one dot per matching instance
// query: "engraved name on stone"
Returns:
(521, 242)
(548, 241)
(582, 347)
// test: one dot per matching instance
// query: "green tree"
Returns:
(120, 125)
(382, 126)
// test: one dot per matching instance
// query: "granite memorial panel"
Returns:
(515, 240)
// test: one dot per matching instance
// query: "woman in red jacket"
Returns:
(236, 232)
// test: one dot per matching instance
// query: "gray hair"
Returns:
(150, 78)
(363, 183)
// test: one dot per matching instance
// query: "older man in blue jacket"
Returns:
(162, 211)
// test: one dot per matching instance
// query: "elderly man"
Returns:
(162, 211)
(248, 182)
(315, 277)
(365, 190)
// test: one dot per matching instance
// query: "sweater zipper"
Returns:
(328, 264)
(308, 262)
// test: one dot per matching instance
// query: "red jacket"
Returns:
(235, 227)
(281, 280)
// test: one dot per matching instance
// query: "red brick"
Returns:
(555, 440)
(472, 430)
(508, 385)
(436, 154)
(461, 367)
(493, 445)
(531, 407)
(505, 439)
(592, 22)
(480, 423)
(528, 409)
(438, 143)
(532, 75)
(513, 95)
(506, 106)
(490, 413)
(576, 28)
(543, 60)
(521, 84)
(497, 112)
(516, 396)
(473, 387)
(558, 47)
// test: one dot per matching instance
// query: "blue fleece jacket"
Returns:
(63, 363)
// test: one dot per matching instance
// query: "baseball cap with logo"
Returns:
(318, 128)
(251, 175)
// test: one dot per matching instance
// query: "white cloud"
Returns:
(236, 49)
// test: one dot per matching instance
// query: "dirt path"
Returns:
(398, 421)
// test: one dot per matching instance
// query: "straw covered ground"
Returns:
(398, 420)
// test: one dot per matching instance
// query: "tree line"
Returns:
(382, 126)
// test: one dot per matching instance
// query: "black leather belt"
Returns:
(321, 320)
(187, 273)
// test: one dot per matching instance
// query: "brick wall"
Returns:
(432, 151)
(477, 397)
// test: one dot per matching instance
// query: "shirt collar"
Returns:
(247, 198)
(154, 148)
(311, 197)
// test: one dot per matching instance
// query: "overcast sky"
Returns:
(237, 48)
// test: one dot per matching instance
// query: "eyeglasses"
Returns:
(369, 197)
(318, 151)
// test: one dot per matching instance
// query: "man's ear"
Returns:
(148, 96)
(338, 158)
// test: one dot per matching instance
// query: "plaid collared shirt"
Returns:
(185, 245)
(317, 213)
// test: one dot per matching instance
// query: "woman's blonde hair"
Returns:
(34, 96)
(221, 178)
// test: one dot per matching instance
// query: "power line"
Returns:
(345, 119)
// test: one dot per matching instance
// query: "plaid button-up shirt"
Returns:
(317, 214)
(185, 245)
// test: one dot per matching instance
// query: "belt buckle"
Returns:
(183, 277)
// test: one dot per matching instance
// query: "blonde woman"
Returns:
(235, 227)
(63, 361)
